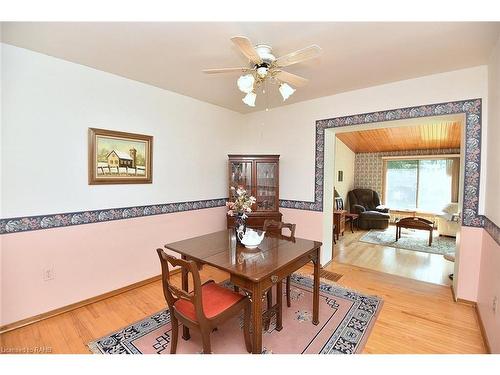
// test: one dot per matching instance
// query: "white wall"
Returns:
(1, 178)
(489, 281)
(50, 103)
(492, 196)
(294, 125)
(344, 161)
(48, 106)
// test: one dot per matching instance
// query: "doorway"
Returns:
(410, 169)
(324, 181)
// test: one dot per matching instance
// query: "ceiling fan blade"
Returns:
(292, 79)
(299, 56)
(225, 70)
(246, 48)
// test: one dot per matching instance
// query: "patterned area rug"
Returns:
(346, 320)
(411, 239)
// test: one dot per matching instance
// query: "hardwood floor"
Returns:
(416, 317)
(432, 268)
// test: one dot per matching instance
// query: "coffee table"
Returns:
(414, 223)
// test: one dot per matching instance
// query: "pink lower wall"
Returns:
(90, 259)
(469, 264)
(489, 288)
(310, 226)
(309, 223)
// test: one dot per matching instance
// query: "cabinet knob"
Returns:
(274, 279)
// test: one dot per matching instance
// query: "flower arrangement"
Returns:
(242, 204)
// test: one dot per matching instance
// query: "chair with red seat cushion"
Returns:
(205, 308)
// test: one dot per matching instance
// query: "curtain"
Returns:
(453, 170)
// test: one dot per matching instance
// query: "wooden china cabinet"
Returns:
(259, 175)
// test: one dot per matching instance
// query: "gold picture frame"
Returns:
(119, 158)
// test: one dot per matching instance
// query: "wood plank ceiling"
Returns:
(429, 136)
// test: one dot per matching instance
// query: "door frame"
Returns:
(324, 144)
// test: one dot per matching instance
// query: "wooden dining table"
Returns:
(254, 271)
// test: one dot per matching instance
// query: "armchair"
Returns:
(448, 220)
(366, 203)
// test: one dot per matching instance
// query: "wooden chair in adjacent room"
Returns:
(205, 308)
(278, 226)
(349, 217)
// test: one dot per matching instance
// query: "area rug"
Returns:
(411, 239)
(346, 320)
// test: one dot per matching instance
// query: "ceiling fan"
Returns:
(265, 67)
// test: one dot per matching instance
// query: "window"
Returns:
(424, 184)
(401, 183)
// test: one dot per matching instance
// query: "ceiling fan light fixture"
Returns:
(245, 83)
(286, 90)
(264, 68)
(262, 71)
(249, 99)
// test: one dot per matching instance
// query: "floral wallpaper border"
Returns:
(472, 110)
(23, 224)
(492, 229)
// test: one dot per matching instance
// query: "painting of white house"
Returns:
(120, 159)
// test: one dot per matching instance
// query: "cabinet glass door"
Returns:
(241, 175)
(266, 190)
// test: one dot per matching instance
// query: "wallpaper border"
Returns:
(29, 223)
(492, 229)
(472, 110)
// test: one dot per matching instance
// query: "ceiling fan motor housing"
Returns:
(264, 51)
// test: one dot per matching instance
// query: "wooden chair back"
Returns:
(279, 225)
(339, 203)
(171, 292)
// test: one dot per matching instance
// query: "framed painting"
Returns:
(119, 158)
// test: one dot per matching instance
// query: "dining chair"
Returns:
(205, 308)
(339, 205)
(278, 226)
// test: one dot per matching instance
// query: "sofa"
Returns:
(448, 220)
(366, 203)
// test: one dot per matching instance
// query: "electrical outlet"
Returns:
(48, 274)
(495, 304)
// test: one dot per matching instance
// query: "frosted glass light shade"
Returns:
(286, 90)
(262, 71)
(249, 99)
(245, 83)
